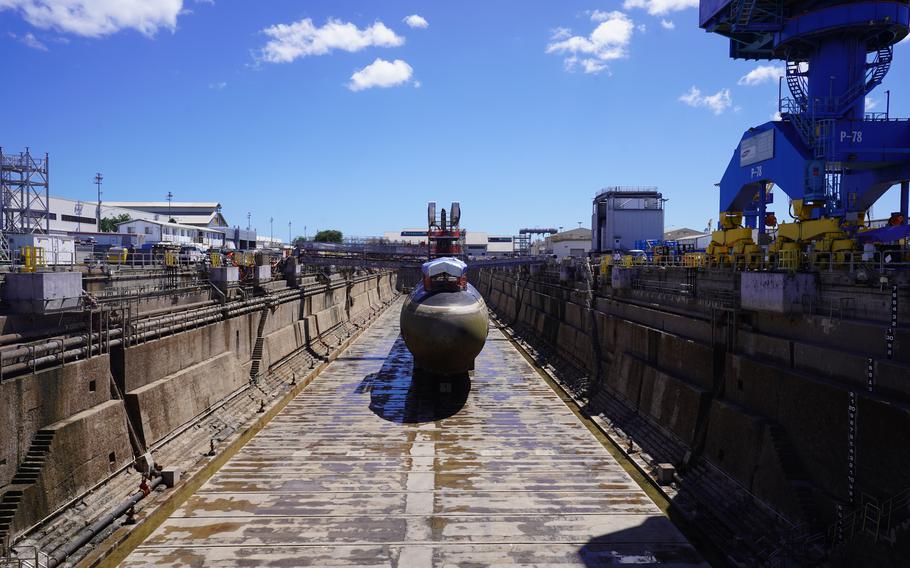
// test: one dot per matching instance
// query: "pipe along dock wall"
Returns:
(67, 428)
(762, 397)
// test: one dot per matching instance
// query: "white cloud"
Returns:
(301, 39)
(29, 40)
(219, 86)
(660, 7)
(777, 116)
(97, 18)
(560, 33)
(667, 24)
(762, 74)
(609, 41)
(381, 73)
(871, 104)
(717, 103)
(416, 21)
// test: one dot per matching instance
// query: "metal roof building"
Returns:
(623, 215)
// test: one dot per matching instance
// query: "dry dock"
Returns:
(368, 468)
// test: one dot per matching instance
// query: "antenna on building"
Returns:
(248, 215)
(170, 198)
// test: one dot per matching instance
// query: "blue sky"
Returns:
(354, 119)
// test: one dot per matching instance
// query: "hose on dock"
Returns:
(83, 537)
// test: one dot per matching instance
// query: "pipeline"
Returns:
(55, 351)
(62, 552)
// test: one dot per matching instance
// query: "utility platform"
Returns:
(368, 466)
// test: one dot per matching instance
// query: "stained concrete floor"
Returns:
(371, 467)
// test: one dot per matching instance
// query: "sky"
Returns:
(353, 114)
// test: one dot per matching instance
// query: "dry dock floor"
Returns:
(371, 467)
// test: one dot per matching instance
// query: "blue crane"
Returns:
(831, 158)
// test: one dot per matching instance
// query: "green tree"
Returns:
(328, 236)
(109, 224)
(298, 241)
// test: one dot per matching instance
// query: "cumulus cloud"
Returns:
(871, 104)
(660, 7)
(609, 41)
(301, 39)
(762, 74)
(415, 21)
(667, 24)
(381, 73)
(218, 86)
(97, 18)
(718, 103)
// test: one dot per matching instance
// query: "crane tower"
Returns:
(828, 155)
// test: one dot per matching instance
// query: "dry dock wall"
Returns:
(763, 397)
(65, 429)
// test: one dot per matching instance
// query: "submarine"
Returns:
(444, 320)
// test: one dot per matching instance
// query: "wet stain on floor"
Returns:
(371, 466)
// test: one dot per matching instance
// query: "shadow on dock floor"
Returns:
(403, 395)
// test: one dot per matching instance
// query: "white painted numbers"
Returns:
(854, 136)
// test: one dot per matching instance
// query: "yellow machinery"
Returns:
(733, 242)
(831, 243)
(215, 259)
(117, 255)
(32, 258)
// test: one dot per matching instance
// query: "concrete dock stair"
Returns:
(793, 470)
(27, 474)
(258, 346)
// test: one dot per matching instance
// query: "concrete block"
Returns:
(262, 274)
(170, 476)
(777, 292)
(224, 274)
(43, 292)
(224, 277)
(665, 473)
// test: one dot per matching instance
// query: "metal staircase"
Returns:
(798, 83)
(742, 12)
(27, 474)
(876, 70)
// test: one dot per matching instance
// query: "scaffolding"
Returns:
(24, 197)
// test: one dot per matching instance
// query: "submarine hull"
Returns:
(444, 331)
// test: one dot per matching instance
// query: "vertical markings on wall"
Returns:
(870, 374)
(889, 334)
(851, 464)
(851, 447)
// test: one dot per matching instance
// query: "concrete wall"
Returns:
(766, 403)
(166, 384)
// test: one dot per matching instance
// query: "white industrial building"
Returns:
(161, 231)
(572, 243)
(477, 243)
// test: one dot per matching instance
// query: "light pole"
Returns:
(98, 178)
(290, 238)
(170, 198)
(248, 221)
(271, 231)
